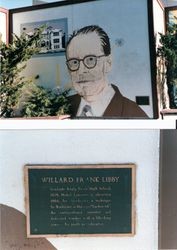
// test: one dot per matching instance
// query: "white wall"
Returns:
(3, 27)
(159, 27)
(159, 20)
(87, 146)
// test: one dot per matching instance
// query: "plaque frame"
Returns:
(130, 166)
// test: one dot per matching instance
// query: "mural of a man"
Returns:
(88, 58)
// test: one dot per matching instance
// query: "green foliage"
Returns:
(13, 58)
(44, 102)
(168, 53)
(16, 91)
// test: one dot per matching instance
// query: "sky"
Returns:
(11, 4)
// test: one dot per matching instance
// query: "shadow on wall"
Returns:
(13, 232)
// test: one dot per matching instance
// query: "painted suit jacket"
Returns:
(119, 107)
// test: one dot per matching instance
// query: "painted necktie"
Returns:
(86, 109)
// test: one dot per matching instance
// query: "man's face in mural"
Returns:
(87, 65)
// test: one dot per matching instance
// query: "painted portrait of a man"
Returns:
(107, 62)
(89, 60)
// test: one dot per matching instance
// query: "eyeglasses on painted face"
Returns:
(89, 62)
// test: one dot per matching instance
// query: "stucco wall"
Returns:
(89, 146)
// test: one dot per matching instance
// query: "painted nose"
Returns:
(83, 68)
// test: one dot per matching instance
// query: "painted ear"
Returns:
(108, 63)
